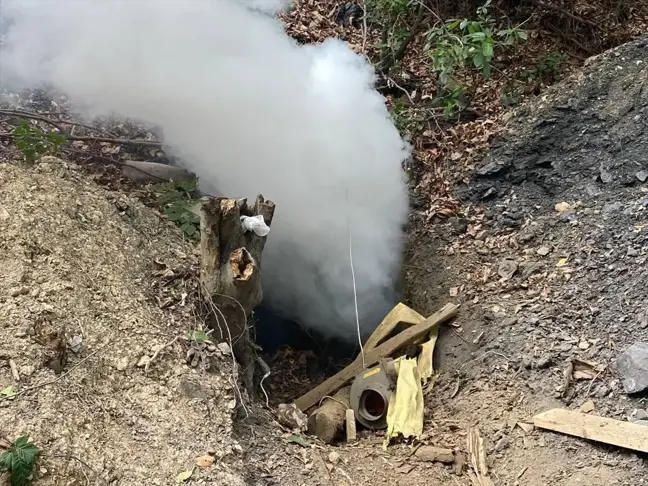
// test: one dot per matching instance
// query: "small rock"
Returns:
(224, 349)
(507, 268)
(144, 360)
(612, 207)
(122, 364)
(290, 416)
(528, 428)
(545, 361)
(543, 251)
(502, 444)
(588, 407)
(632, 366)
(490, 192)
(639, 414)
(19, 291)
(584, 345)
(334, 457)
(640, 422)
(76, 343)
(435, 454)
(642, 175)
(632, 252)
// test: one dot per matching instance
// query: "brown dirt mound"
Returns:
(103, 269)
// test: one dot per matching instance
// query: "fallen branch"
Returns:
(56, 124)
(117, 141)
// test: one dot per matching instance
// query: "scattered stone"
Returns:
(543, 251)
(642, 175)
(561, 207)
(290, 416)
(507, 268)
(632, 252)
(435, 454)
(502, 444)
(632, 366)
(612, 207)
(588, 406)
(584, 345)
(122, 364)
(76, 343)
(528, 428)
(19, 291)
(545, 361)
(490, 192)
(639, 414)
(334, 457)
(224, 349)
(143, 361)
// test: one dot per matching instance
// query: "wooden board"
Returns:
(592, 427)
(373, 356)
(399, 314)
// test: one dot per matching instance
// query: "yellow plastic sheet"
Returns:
(425, 366)
(405, 412)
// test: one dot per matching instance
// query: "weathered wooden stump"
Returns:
(230, 272)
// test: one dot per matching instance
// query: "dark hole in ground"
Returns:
(298, 358)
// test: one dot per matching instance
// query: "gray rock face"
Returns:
(632, 366)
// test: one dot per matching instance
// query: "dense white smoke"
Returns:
(250, 112)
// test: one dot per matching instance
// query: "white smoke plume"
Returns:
(250, 112)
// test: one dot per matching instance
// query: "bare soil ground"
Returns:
(96, 280)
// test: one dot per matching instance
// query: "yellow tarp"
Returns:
(425, 367)
(405, 412)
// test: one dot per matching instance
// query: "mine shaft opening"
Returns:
(297, 356)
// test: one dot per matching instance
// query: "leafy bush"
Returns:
(465, 44)
(178, 200)
(547, 67)
(34, 143)
(19, 460)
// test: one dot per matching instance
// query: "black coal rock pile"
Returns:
(565, 198)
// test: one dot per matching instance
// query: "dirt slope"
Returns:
(579, 275)
(77, 257)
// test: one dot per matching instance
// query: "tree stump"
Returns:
(230, 272)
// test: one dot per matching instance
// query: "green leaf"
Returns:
(487, 50)
(20, 459)
(5, 461)
(522, 34)
(8, 392)
(299, 440)
(183, 476)
(478, 36)
(478, 60)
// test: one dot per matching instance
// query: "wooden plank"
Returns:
(372, 357)
(592, 427)
(399, 314)
(350, 425)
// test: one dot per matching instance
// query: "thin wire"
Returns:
(355, 292)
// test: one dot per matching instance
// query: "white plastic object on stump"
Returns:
(256, 224)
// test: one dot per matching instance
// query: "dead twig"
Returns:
(117, 141)
(157, 351)
(80, 461)
(55, 123)
(56, 380)
(216, 310)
